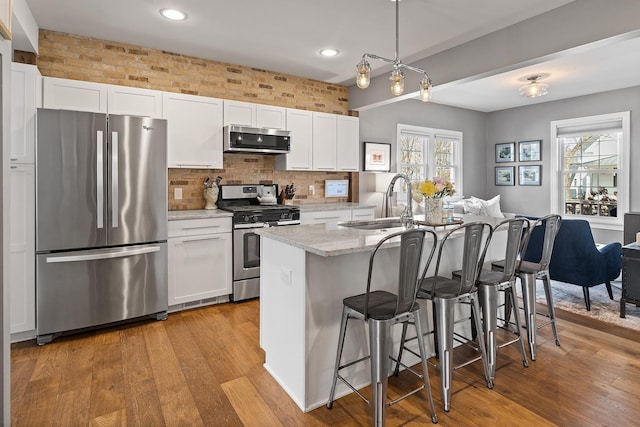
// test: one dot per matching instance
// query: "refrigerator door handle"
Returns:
(114, 179)
(119, 253)
(99, 179)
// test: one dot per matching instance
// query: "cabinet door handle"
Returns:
(198, 238)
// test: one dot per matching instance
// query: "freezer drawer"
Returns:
(84, 289)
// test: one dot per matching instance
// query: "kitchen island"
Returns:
(306, 272)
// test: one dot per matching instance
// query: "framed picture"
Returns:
(506, 152)
(529, 175)
(5, 18)
(529, 151)
(377, 157)
(505, 175)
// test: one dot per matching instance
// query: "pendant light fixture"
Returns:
(534, 89)
(363, 71)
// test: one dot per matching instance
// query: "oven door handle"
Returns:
(252, 225)
(284, 223)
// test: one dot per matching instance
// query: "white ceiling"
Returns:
(286, 36)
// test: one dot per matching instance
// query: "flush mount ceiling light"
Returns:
(173, 14)
(363, 71)
(534, 89)
(329, 52)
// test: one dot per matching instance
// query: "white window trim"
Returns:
(616, 223)
(431, 133)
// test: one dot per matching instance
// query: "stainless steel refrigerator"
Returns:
(101, 220)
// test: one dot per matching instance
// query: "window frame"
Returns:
(623, 171)
(428, 152)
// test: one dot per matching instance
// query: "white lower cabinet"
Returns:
(199, 259)
(22, 283)
(363, 214)
(328, 217)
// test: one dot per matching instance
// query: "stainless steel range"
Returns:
(253, 206)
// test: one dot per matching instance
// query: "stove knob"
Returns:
(245, 218)
(254, 218)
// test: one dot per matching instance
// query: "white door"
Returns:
(133, 101)
(348, 144)
(24, 86)
(240, 113)
(300, 124)
(269, 116)
(324, 141)
(75, 95)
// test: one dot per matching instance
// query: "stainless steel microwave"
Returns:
(256, 140)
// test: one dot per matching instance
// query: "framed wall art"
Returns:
(505, 175)
(529, 175)
(529, 151)
(506, 152)
(377, 157)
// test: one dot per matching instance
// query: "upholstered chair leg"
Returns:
(587, 302)
(609, 290)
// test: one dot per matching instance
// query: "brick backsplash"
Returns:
(82, 58)
(248, 169)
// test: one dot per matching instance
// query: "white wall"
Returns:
(380, 125)
(533, 122)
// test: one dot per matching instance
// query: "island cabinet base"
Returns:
(301, 297)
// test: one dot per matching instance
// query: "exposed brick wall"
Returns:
(83, 58)
(248, 169)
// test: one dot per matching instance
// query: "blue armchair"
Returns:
(576, 259)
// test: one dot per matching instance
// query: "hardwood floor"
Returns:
(203, 367)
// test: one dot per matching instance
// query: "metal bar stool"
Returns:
(529, 271)
(445, 293)
(381, 310)
(491, 282)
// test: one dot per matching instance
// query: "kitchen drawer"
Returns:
(360, 214)
(195, 227)
(328, 217)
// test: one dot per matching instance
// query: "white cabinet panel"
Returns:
(25, 81)
(134, 101)
(300, 124)
(65, 94)
(324, 141)
(199, 259)
(348, 143)
(22, 248)
(194, 131)
(240, 113)
(362, 214)
(269, 116)
(328, 217)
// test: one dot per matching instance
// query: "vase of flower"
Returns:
(433, 210)
(433, 191)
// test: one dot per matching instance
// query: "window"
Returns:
(591, 156)
(425, 152)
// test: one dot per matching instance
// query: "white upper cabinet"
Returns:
(300, 124)
(269, 116)
(348, 143)
(254, 115)
(240, 113)
(324, 141)
(194, 131)
(134, 101)
(26, 83)
(76, 95)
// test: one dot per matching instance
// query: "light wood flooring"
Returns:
(203, 367)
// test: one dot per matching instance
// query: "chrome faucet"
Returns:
(407, 214)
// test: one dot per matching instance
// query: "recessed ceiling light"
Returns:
(173, 14)
(328, 52)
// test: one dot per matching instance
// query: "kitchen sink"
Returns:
(376, 224)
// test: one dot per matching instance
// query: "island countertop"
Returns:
(331, 240)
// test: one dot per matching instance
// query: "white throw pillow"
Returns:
(472, 206)
(491, 207)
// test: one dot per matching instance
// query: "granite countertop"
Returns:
(318, 207)
(198, 214)
(332, 240)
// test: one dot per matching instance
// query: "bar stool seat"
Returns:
(381, 310)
